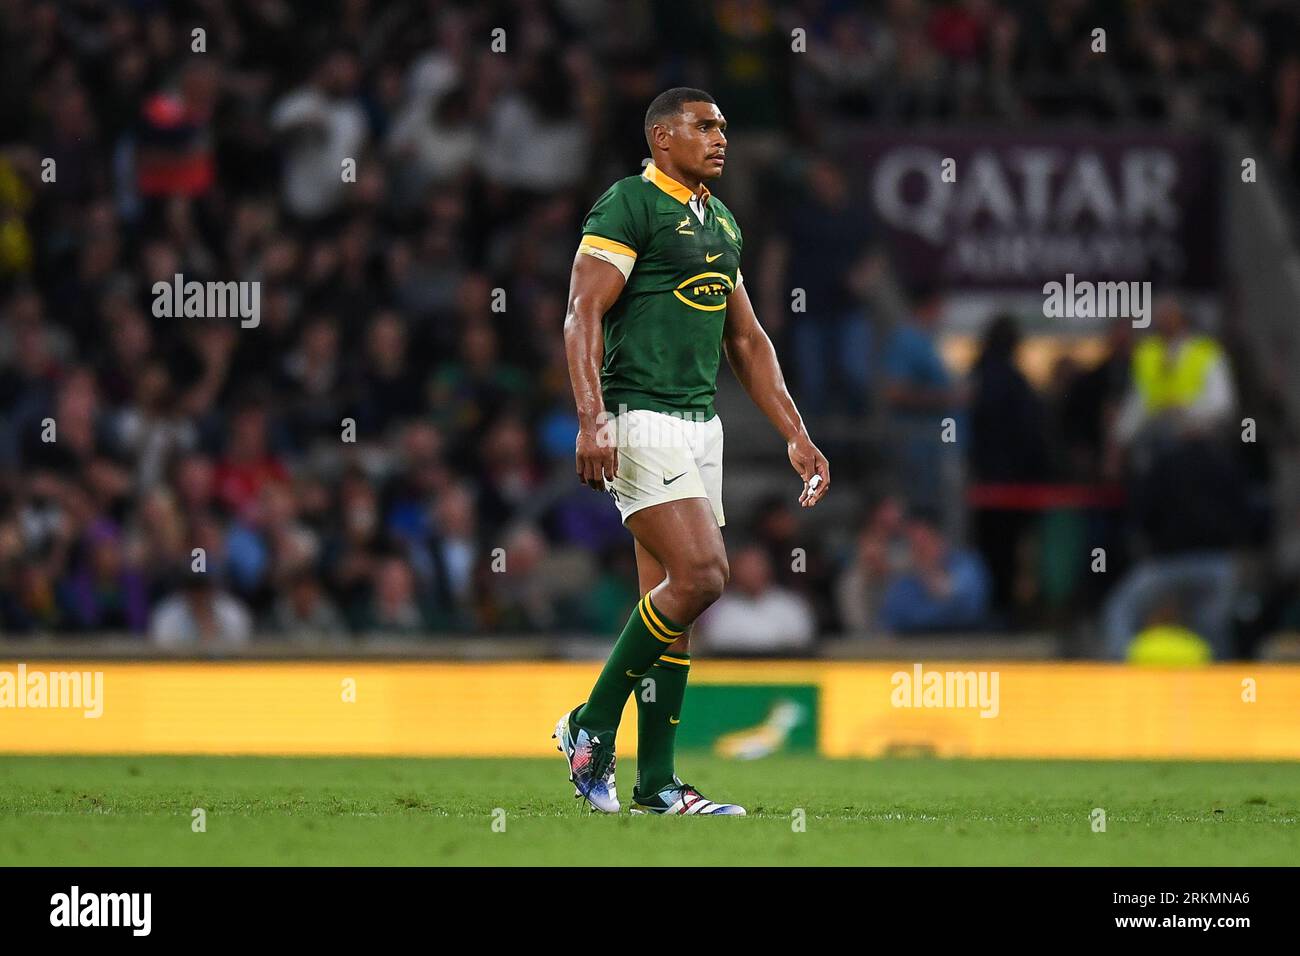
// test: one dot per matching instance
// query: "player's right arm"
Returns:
(594, 285)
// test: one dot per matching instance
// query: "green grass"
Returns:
(137, 811)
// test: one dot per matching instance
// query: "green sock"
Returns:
(647, 635)
(657, 722)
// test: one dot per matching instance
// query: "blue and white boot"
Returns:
(682, 799)
(591, 764)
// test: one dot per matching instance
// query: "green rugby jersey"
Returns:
(663, 335)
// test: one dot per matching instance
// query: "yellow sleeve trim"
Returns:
(623, 263)
(674, 660)
(609, 245)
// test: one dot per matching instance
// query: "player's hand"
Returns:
(597, 455)
(813, 468)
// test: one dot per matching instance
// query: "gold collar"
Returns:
(672, 187)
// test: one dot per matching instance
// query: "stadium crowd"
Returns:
(388, 449)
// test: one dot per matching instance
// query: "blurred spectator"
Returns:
(613, 592)
(1191, 509)
(30, 370)
(418, 476)
(194, 479)
(536, 140)
(821, 245)
(508, 477)
(797, 557)
(248, 463)
(393, 608)
(323, 124)
(1085, 403)
(173, 149)
(944, 589)
(919, 394)
(389, 387)
(314, 395)
(200, 614)
(1008, 445)
(1007, 421)
(268, 546)
(131, 342)
(352, 554)
(880, 557)
(470, 392)
(303, 611)
(850, 59)
(103, 592)
(754, 615)
(529, 584)
(65, 445)
(158, 537)
(451, 553)
(11, 553)
(1181, 385)
(150, 430)
(15, 200)
(581, 519)
(746, 43)
(434, 142)
(1166, 642)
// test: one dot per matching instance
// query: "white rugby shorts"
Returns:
(663, 457)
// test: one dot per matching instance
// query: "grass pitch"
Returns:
(315, 811)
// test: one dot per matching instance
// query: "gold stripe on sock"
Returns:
(651, 627)
(662, 626)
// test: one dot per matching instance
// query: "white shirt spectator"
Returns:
(525, 150)
(775, 621)
(173, 622)
(432, 74)
(153, 441)
(436, 152)
(325, 132)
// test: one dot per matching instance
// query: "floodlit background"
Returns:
(406, 182)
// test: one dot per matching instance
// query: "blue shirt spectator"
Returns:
(944, 588)
(911, 361)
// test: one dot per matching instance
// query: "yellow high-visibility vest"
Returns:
(1163, 385)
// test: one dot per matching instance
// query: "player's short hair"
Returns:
(670, 103)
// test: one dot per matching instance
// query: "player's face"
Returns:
(698, 144)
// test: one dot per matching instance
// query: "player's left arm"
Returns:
(753, 359)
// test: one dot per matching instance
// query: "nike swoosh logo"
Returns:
(669, 481)
(672, 720)
(630, 674)
(710, 258)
